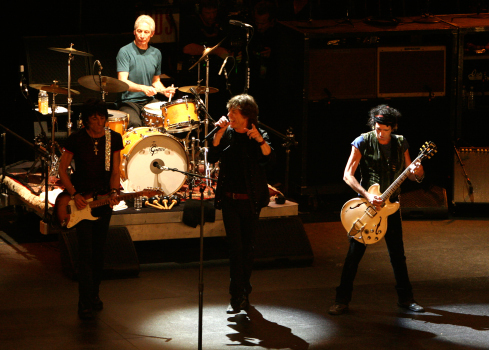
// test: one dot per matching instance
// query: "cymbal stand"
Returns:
(54, 145)
(68, 125)
(102, 83)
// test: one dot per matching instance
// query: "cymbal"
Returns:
(109, 84)
(200, 89)
(55, 89)
(206, 52)
(70, 50)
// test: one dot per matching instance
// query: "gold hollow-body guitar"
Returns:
(69, 215)
(368, 225)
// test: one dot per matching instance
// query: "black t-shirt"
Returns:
(89, 169)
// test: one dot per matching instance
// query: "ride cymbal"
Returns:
(54, 88)
(70, 50)
(200, 89)
(109, 84)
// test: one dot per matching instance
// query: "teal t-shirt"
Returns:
(142, 66)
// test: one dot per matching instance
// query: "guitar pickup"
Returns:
(68, 209)
(370, 211)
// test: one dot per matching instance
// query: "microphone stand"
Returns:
(469, 183)
(289, 141)
(247, 63)
(201, 260)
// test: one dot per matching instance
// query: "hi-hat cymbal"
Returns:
(70, 50)
(200, 89)
(109, 84)
(55, 89)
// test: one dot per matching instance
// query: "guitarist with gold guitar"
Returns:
(382, 157)
(95, 151)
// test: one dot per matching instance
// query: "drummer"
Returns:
(139, 65)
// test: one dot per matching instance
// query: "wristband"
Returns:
(262, 142)
(114, 190)
(74, 194)
(419, 179)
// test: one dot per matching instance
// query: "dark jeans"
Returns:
(241, 224)
(91, 236)
(395, 246)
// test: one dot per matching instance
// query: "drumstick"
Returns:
(169, 98)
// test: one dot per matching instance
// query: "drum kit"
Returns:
(149, 151)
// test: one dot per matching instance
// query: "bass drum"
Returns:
(145, 149)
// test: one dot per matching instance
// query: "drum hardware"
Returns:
(70, 51)
(55, 89)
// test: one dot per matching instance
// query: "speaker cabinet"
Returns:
(282, 240)
(342, 73)
(411, 71)
(475, 164)
(422, 203)
(121, 259)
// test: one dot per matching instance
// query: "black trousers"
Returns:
(241, 225)
(395, 246)
(91, 236)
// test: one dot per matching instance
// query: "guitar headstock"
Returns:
(427, 151)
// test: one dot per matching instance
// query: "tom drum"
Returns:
(118, 121)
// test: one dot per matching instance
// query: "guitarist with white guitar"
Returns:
(95, 151)
(381, 157)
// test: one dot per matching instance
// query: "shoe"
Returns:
(338, 309)
(411, 305)
(238, 304)
(97, 304)
(85, 313)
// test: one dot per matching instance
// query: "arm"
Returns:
(133, 87)
(255, 134)
(64, 163)
(158, 85)
(351, 180)
(416, 171)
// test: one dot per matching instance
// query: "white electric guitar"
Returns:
(69, 215)
(366, 224)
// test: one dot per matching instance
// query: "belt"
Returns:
(237, 195)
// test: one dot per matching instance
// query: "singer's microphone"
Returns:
(223, 64)
(211, 133)
(240, 24)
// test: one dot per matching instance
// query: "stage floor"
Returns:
(447, 261)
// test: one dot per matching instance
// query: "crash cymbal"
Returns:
(109, 84)
(54, 88)
(206, 52)
(70, 50)
(200, 89)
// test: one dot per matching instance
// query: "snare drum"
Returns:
(142, 148)
(118, 121)
(152, 115)
(180, 115)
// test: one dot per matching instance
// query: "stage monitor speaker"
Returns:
(411, 71)
(476, 164)
(346, 73)
(121, 259)
(282, 241)
(424, 203)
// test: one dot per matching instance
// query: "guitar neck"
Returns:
(105, 201)
(395, 185)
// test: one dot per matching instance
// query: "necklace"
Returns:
(95, 143)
